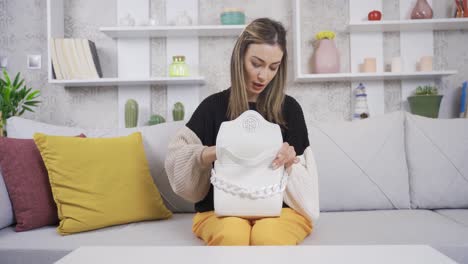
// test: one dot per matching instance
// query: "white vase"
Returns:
(127, 21)
(183, 20)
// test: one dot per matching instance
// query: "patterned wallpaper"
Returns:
(23, 31)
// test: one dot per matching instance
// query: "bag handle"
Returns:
(252, 193)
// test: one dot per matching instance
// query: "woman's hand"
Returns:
(208, 156)
(286, 157)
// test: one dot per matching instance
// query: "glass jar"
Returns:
(233, 16)
(178, 68)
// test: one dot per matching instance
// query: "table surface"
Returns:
(259, 254)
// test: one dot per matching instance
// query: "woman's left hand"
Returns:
(286, 157)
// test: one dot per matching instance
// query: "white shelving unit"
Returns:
(373, 27)
(356, 77)
(124, 81)
(134, 78)
(172, 31)
(366, 40)
(409, 25)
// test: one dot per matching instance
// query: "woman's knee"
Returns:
(266, 232)
(269, 232)
(232, 232)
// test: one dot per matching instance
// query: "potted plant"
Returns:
(426, 101)
(15, 98)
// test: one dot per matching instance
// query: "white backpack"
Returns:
(245, 183)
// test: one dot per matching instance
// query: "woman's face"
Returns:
(261, 63)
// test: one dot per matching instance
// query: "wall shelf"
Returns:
(344, 77)
(131, 81)
(173, 31)
(409, 25)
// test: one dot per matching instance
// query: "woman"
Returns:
(258, 76)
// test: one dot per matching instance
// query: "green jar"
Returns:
(178, 68)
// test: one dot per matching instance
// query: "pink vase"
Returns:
(325, 58)
(422, 10)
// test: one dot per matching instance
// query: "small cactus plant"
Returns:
(156, 119)
(131, 113)
(178, 111)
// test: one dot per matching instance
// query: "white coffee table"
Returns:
(271, 255)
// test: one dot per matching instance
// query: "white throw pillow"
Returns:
(155, 139)
(361, 164)
(437, 153)
(18, 127)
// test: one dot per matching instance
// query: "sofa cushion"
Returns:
(155, 140)
(361, 164)
(334, 228)
(458, 215)
(6, 211)
(29, 247)
(437, 153)
(175, 231)
(389, 227)
(27, 183)
(99, 182)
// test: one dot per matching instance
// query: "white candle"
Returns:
(426, 63)
(370, 65)
(396, 64)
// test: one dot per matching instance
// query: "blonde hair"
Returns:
(270, 100)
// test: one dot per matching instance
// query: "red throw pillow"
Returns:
(27, 182)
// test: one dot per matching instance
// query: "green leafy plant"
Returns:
(426, 90)
(15, 98)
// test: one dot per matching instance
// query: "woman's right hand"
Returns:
(208, 156)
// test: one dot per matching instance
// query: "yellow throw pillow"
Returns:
(100, 182)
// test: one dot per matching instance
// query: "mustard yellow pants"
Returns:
(290, 228)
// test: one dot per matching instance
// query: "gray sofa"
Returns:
(391, 179)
